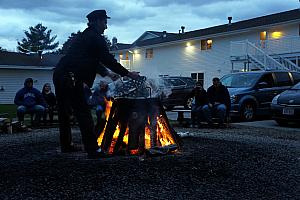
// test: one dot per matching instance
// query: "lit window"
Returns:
(149, 53)
(263, 35)
(263, 38)
(206, 44)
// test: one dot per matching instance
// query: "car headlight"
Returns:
(233, 98)
(274, 101)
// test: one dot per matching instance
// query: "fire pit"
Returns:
(137, 124)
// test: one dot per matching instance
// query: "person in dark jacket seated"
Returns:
(200, 100)
(50, 99)
(218, 102)
(29, 100)
(98, 100)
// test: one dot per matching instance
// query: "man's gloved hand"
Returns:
(134, 75)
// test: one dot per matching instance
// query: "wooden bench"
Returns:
(5, 123)
(183, 121)
(180, 116)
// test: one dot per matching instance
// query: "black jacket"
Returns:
(218, 95)
(200, 96)
(50, 99)
(86, 57)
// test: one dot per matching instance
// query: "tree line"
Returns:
(38, 39)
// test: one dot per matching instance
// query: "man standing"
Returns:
(87, 56)
(29, 100)
(218, 102)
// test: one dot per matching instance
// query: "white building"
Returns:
(267, 42)
(16, 67)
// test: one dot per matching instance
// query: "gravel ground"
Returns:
(233, 163)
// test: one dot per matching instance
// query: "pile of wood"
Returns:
(135, 115)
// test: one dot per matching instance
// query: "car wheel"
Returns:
(281, 122)
(248, 112)
(188, 103)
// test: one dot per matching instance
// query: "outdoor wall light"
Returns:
(2, 88)
(276, 34)
(188, 44)
(135, 51)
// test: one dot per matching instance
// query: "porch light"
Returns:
(136, 51)
(209, 42)
(188, 44)
(276, 34)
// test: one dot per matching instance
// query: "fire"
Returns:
(156, 133)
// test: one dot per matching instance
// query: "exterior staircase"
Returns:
(259, 58)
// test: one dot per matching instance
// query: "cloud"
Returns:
(129, 19)
(159, 3)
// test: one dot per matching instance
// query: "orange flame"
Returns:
(163, 136)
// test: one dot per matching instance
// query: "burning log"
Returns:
(141, 124)
(137, 123)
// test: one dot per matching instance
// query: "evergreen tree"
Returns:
(72, 38)
(69, 42)
(38, 39)
(1, 49)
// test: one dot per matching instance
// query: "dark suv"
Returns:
(176, 91)
(251, 93)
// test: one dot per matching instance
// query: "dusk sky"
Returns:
(129, 19)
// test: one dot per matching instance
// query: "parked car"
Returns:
(286, 106)
(251, 93)
(176, 91)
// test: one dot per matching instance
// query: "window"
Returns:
(263, 35)
(174, 82)
(268, 79)
(149, 53)
(263, 38)
(206, 44)
(198, 77)
(296, 77)
(283, 79)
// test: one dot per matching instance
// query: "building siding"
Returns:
(180, 60)
(13, 79)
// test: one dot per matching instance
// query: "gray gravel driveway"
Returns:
(234, 163)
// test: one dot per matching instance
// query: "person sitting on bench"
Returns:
(200, 99)
(218, 102)
(50, 99)
(29, 100)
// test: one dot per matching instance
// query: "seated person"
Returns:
(200, 99)
(218, 102)
(29, 100)
(50, 100)
(98, 99)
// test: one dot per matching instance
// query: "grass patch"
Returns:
(11, 109)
